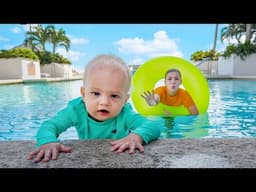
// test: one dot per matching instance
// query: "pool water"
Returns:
(231, 112)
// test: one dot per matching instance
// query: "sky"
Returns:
(134, 43)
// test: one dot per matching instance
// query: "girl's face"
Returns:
(105, 93)
(173, 81)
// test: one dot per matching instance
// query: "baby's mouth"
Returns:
(103, 111)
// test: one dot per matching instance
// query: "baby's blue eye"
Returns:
(95, 93)
(115, 96)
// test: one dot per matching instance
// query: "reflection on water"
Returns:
(23, 107)
(185, 126)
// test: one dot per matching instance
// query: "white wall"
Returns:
(226, 66)
(232, 66)
(25, 69)
(10, 69)
(17, 68)
(245, 67)
(207, 67)
(235, 66)
(57, 70)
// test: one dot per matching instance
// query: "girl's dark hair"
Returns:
(172, 70)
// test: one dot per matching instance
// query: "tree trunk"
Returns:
(248, 32)
(215, 37)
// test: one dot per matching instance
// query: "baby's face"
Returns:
(173, 81)
(105, 93)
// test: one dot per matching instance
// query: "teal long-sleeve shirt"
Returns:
(75, 114)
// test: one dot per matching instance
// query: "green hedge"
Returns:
(19, 52)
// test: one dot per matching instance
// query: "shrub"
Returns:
(243, 50)
(19, 52)
(201, 55)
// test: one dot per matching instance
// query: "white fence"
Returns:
(233, 66)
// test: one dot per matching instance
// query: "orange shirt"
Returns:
(182, 97)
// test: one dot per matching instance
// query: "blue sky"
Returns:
(135, 43)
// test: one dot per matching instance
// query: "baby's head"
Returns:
(107, 81)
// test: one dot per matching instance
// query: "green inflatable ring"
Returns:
(152, 71)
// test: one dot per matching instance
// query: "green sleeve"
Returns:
(148, 129)
(52, 128)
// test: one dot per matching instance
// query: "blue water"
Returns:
(231, 112)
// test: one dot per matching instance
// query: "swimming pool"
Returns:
(231, 112)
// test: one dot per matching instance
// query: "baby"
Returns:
(102, 112)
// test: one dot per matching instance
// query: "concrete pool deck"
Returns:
(42, 80)
(162, 153)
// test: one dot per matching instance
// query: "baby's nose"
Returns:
(104, 100)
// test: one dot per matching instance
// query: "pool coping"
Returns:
(42, 80)
(230, 77)
(162, 153)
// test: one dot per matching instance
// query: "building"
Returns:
(19, 68)
(56, 70)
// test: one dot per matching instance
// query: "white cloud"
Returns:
(234, 41)
(16, 30)
(71, 55)
(27, 27)
(220, 47)
(230, 41)
(77, 40)
(7, 47)
(4, 39)
(161, 44)
(136, 61)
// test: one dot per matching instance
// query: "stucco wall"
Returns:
(27, 72)
(10, 68)
(57, 70)
(225, 66)
(18, 68)
(235, 66)
(245, 67)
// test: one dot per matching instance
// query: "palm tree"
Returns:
(58, 38)
(238, 31)
(232, 31)
(248, 32)
(37, 38)
(215, 37)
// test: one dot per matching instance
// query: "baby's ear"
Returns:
(82, 91)
(127, 97)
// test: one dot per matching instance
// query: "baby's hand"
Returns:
(149, 98)
(131, 142)
(48, 151)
